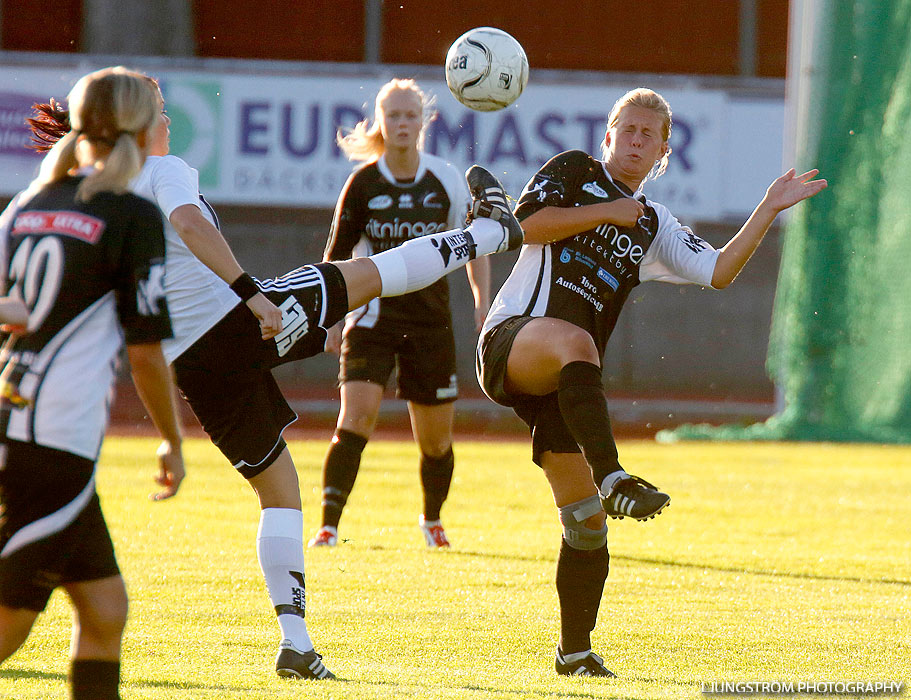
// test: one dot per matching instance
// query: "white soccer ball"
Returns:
(486, 69)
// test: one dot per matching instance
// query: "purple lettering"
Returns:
(554, 144)
(462, 131)
(681, 138)
(596, 126)
(507, 132)
(304, 149)
(249, 127)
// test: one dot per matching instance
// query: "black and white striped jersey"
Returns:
(375, 213)
(586, 279)
(92, 276)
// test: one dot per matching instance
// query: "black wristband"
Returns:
(244, 287)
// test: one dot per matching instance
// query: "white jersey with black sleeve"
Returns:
(197, 297)
(585, 279)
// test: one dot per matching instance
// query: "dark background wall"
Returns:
(720, 37)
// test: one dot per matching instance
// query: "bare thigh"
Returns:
(542, 348)
(362, 280)
(15, 625)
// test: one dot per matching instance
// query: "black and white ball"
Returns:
(486, 69)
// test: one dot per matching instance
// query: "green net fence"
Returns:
(840, 348)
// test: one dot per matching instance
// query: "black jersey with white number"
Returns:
(585, 279)
(92, 276)
(376, 213)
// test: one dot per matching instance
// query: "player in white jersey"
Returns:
(398, 194)
(230, 331)
(590, 237)
(86, 256)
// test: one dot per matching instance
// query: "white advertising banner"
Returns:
(269, 140)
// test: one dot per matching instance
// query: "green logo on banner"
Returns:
(194, 107)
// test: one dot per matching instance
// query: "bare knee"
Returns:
(436, 450)
(358, 424)
(584, 524)
(576, 345)
(277, 486)
(100, 618)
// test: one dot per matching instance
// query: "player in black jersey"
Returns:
(399, 194)
(590, 237)
(231, 330)
(87, 257)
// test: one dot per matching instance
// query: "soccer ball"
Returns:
(486, 69)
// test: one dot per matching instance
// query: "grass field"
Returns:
(774, 562)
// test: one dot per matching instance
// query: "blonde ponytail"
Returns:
(110, 106)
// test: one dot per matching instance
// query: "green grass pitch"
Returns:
(775, 562)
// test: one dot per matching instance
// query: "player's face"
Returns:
(160, 134)
(635, 143)
(402, 120)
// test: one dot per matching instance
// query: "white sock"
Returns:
(280, 549)
(422, 261)
(607, 485)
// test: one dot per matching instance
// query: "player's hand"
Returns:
(269, 315)
(171, 471)
(334, 339)
(623, 212)
(792, 188)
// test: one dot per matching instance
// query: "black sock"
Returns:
(436, 477)
(580, 582)
(583, 406)
(339, 473)
(94, 679)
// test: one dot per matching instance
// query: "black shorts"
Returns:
(549, 432)
(52, 531)
(424, 358)
(226, 376)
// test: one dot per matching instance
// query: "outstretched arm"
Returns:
(155, 387)
(785, 192)
(206, 243)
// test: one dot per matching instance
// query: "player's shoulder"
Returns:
(443, 170)
(574, 158)
(368, 169)
(438, 164)
(167, 164)
(138, 206)
(664, 214)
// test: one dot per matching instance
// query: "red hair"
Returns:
(50, 123)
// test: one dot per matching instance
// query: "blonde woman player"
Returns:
(400, 193)
(231, 330)
(88, 259)
(591, 235)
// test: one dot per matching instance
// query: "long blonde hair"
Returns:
(110, 106)
(365, 141)
(647, 99)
